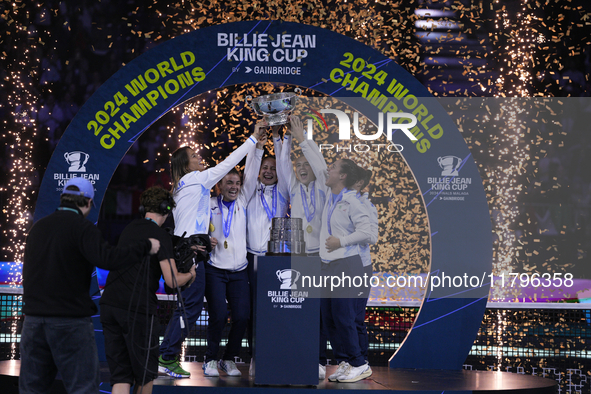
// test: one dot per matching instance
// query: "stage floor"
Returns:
(383, 379)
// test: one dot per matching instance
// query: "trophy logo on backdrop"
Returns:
(449, 186)
(77, 161)
(450, 165)
(288, 279)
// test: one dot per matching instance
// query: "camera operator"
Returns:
(129, 303)
(61, 253)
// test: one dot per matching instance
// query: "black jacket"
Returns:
(133, 288)
(61, 252)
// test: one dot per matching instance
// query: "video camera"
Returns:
(186, 253)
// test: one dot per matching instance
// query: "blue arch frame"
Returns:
(217, 56)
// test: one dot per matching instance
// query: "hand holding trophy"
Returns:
(257, 133)
(260, 134)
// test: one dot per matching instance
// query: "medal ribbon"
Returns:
(228, 222)
(270, 214)
(309, 216)
(332, 204)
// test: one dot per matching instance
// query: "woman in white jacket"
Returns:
(226, 277)
(345, 229)
(192, 183)
(364, 178)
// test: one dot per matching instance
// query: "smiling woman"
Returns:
(195, 161)
(268, 173)
(226, 276)
(229, 186)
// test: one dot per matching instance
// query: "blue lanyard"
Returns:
(270, 214)
(309, 216)
(227, 224)
(332, 204)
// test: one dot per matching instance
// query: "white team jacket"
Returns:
(373, 220)
(259, 225)
(191, 214)
(349, 222)
(316, 160)
(233, 258)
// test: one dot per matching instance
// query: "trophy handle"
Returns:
(298, 91)
(248, 99)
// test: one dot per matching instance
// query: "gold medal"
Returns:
(309, 229)
(225, 244)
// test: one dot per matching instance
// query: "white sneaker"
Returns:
(210, 368)
(355, 374)
(342, 367)
(321, 372)
(229, 367)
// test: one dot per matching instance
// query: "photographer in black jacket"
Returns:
(61, 253)
(129, 303)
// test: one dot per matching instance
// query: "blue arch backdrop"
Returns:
(291, 53)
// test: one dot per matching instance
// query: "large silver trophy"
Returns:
(275, 108)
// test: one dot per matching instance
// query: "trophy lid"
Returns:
(273, 97)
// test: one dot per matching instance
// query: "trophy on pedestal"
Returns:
(287, 237)
(275, 108)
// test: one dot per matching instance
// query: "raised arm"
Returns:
(213, 175)
(310, 151)
(284, 167)
(293, 180)
(252, 167)
(277, 141)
